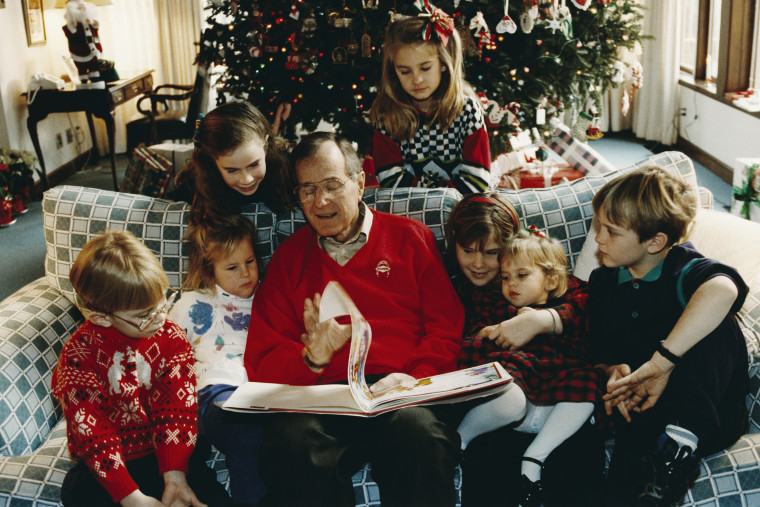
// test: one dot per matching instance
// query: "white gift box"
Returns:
(176, 153)
(741, 174)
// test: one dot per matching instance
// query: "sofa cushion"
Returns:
(35, 322)
(74, 215)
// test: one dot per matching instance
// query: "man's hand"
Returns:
(514, 333)
(139, 499)
(646, 385)
(394, 381)
(322, 339)
(177, 492)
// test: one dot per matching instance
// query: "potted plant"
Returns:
(16, 179)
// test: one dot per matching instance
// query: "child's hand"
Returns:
(322, 339)
(515, 333)
(177, 492)
(139, 499)
(646, 385)
(615, 373)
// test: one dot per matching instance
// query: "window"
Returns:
(720, 45)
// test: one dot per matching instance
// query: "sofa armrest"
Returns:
(35, 322)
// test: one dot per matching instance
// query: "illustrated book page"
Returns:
(356, 398)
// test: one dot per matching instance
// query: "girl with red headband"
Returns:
(430, 130)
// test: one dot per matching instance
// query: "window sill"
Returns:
(708, 89)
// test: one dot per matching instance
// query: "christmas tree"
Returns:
(321, 60)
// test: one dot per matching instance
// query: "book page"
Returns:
(335, 303)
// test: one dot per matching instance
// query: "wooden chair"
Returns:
(160, 122)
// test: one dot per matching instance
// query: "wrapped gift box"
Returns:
(177, 154)
(745, 190)
(547, 176)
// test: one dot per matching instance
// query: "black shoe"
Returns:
(668, 474)
(531, 493)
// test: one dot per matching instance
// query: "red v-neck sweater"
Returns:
(398, 283)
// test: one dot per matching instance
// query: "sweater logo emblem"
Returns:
(383, 269)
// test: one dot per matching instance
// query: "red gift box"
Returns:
(549, 176)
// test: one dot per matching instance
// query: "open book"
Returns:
(356, 398)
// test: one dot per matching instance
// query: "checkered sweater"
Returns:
(459, 156)
(125, 398)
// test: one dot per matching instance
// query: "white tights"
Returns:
(553, 423)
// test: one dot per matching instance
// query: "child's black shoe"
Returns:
(667, 474)
(530, 492)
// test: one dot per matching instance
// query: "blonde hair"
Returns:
(211, 241)
(476, 218)
(648, 200)
(393, 108)
(545, 252)
(116, 272)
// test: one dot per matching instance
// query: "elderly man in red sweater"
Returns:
(392, 269)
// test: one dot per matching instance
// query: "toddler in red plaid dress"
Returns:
(555, 387)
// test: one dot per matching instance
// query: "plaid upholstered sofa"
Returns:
(37, 319)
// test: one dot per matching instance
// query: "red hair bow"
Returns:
(440, 22)
(534, 230)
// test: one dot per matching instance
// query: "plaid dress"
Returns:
(550, 368)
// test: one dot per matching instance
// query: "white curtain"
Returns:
(656, 105)
(140, 35)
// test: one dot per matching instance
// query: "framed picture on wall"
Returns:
(2, 4)
(34, 21)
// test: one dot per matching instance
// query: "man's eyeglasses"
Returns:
(330, 187)
(148, 321)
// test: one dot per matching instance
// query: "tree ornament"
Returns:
(581, 126)
(366, 46)
(618, 72)
(339, 56)
(352, 47)
(294, 61)
(481, 31)
(506, 25)
(581, 4)
(370, 4)
(333, 19)
(554, 24)
(526, 22)
(548, 9)
(309, 26)
(294, 12)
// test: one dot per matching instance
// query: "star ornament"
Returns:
(554, 25)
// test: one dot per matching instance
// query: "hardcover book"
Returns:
(356, 398)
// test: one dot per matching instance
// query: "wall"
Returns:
(19, 63)
(719, 130)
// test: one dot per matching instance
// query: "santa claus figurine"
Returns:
(81, 30)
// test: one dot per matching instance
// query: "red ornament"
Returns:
(6, 212)
(18, 204)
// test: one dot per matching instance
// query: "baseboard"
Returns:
(59, 174)
(724, 172)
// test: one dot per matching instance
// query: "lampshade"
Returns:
(60, 4)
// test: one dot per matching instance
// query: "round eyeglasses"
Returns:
(148, 321)
(330, 187)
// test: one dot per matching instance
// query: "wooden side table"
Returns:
(99, 102)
